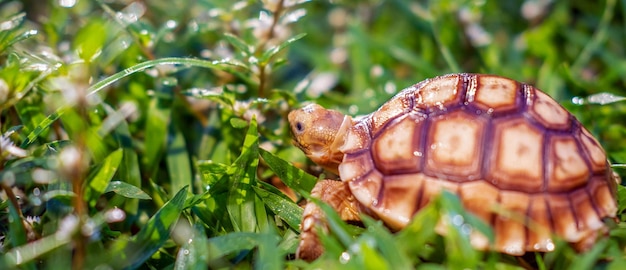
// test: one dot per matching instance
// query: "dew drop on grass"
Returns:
(457, 220)
(390, 88)
(344, 258)
(353, 109)
(67, 3)
(578, 100)
(115, 215)
(171, 24)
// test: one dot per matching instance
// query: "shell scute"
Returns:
(399, 198)
(509, 228)
(566, 166)
(594, 151)
(454, 146)
(366, 188)
(565, 224)
(586, 216)
(516, 159)
(550, 113)
(393, 155)
(539, 227)
(438, 93)
(495, 94)
(393, 108)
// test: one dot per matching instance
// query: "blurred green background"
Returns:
(120, 104)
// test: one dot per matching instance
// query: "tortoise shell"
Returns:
(494, 142)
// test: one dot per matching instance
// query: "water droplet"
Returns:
(67, 3)
(171, 24)
(417, 153)
(353, 109)
(344, 258)
(376, 71)
(578, 100)
(466, 229)
(115, 215)
(390, 88)
(457, 220)
(36, 201)
(604, 98)
(550, 246)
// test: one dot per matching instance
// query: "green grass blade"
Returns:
(158, 119)
(101, 178)
(177, 158)
(194, 254)
(238, 43)
(598, 37)
(126, 190)
(152, 235)
(30, 252)
(240, 195)
(290, 175)
(17, 232)
(395, 257)
(129, 171)
(268, 257)
(271, 52)
(284, 208)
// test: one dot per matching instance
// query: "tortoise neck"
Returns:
(336, 156)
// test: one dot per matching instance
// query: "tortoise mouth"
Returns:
(299, 145)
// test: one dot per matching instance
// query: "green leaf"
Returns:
(240, 195)
(293, 177)
(17, 232)
(129, 172)
(621, 198)
(103, 175)
(10, 28)
(194, 253)
(177, 158)
(268, 257)
(152, 235)
(159, 115)
(395, 257)
(284, 208)
(126, 190)
(238, 122)
(335, 223)
(267, 55)
(238, 43)
(90, 39)
(19, 256)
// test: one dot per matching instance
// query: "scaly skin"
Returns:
(338, 196)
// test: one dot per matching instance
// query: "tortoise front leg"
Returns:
(336, 194)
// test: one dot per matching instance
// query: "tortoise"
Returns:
(492, 141)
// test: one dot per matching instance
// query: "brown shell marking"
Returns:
(515, 157)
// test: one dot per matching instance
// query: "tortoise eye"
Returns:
(299, 127)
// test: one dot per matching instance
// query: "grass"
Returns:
(152, 134)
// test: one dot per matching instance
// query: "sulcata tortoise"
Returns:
(494, 142)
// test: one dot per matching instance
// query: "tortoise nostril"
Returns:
(299, 127)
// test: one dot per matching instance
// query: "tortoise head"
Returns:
(319, 133)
